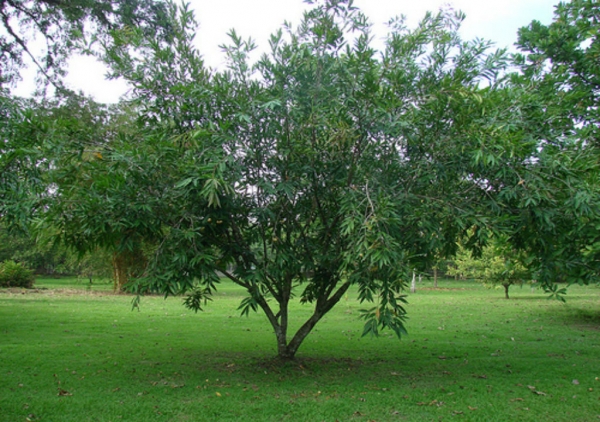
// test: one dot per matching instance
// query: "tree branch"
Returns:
(21, 42)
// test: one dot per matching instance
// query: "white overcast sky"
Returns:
(495, 20)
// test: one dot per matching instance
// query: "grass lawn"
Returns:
(69, 353)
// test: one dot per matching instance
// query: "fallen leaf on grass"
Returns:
(458, 412)
(576, 382)
(357, 413)
(218, 394)
(539, 393)
(517, 399)
(62, 392)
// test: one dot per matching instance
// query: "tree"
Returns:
(59, 142)
(21, 247)
(84, 131)
(323, 166)
(557, 223)
(66, 26)
(498, 265)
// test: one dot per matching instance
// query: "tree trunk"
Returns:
(119, 271)
(413, 284)
(435, 284)
(506, 286)
(125, 265)
(285, 350)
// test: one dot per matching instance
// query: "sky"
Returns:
(495, 20)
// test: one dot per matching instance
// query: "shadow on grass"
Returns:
(581, 318)
(529, 298)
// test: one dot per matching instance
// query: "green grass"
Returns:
(470, 356)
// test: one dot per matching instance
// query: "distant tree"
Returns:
(92, 266)
(43, 259)
(59, 143)
(498, 265)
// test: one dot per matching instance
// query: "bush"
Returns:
(13, 274)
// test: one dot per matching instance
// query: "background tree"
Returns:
(46, 259)
(58, 144)
(498, 265)
(27, 129)
(84, 133)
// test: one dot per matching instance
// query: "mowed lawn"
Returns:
(70, 353)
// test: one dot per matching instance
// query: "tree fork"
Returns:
(289, 352)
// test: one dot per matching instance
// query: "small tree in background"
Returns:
(498, 265)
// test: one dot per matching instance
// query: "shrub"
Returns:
(13, 274)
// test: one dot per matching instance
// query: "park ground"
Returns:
(74, 352)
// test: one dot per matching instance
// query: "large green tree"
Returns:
(326, 164)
